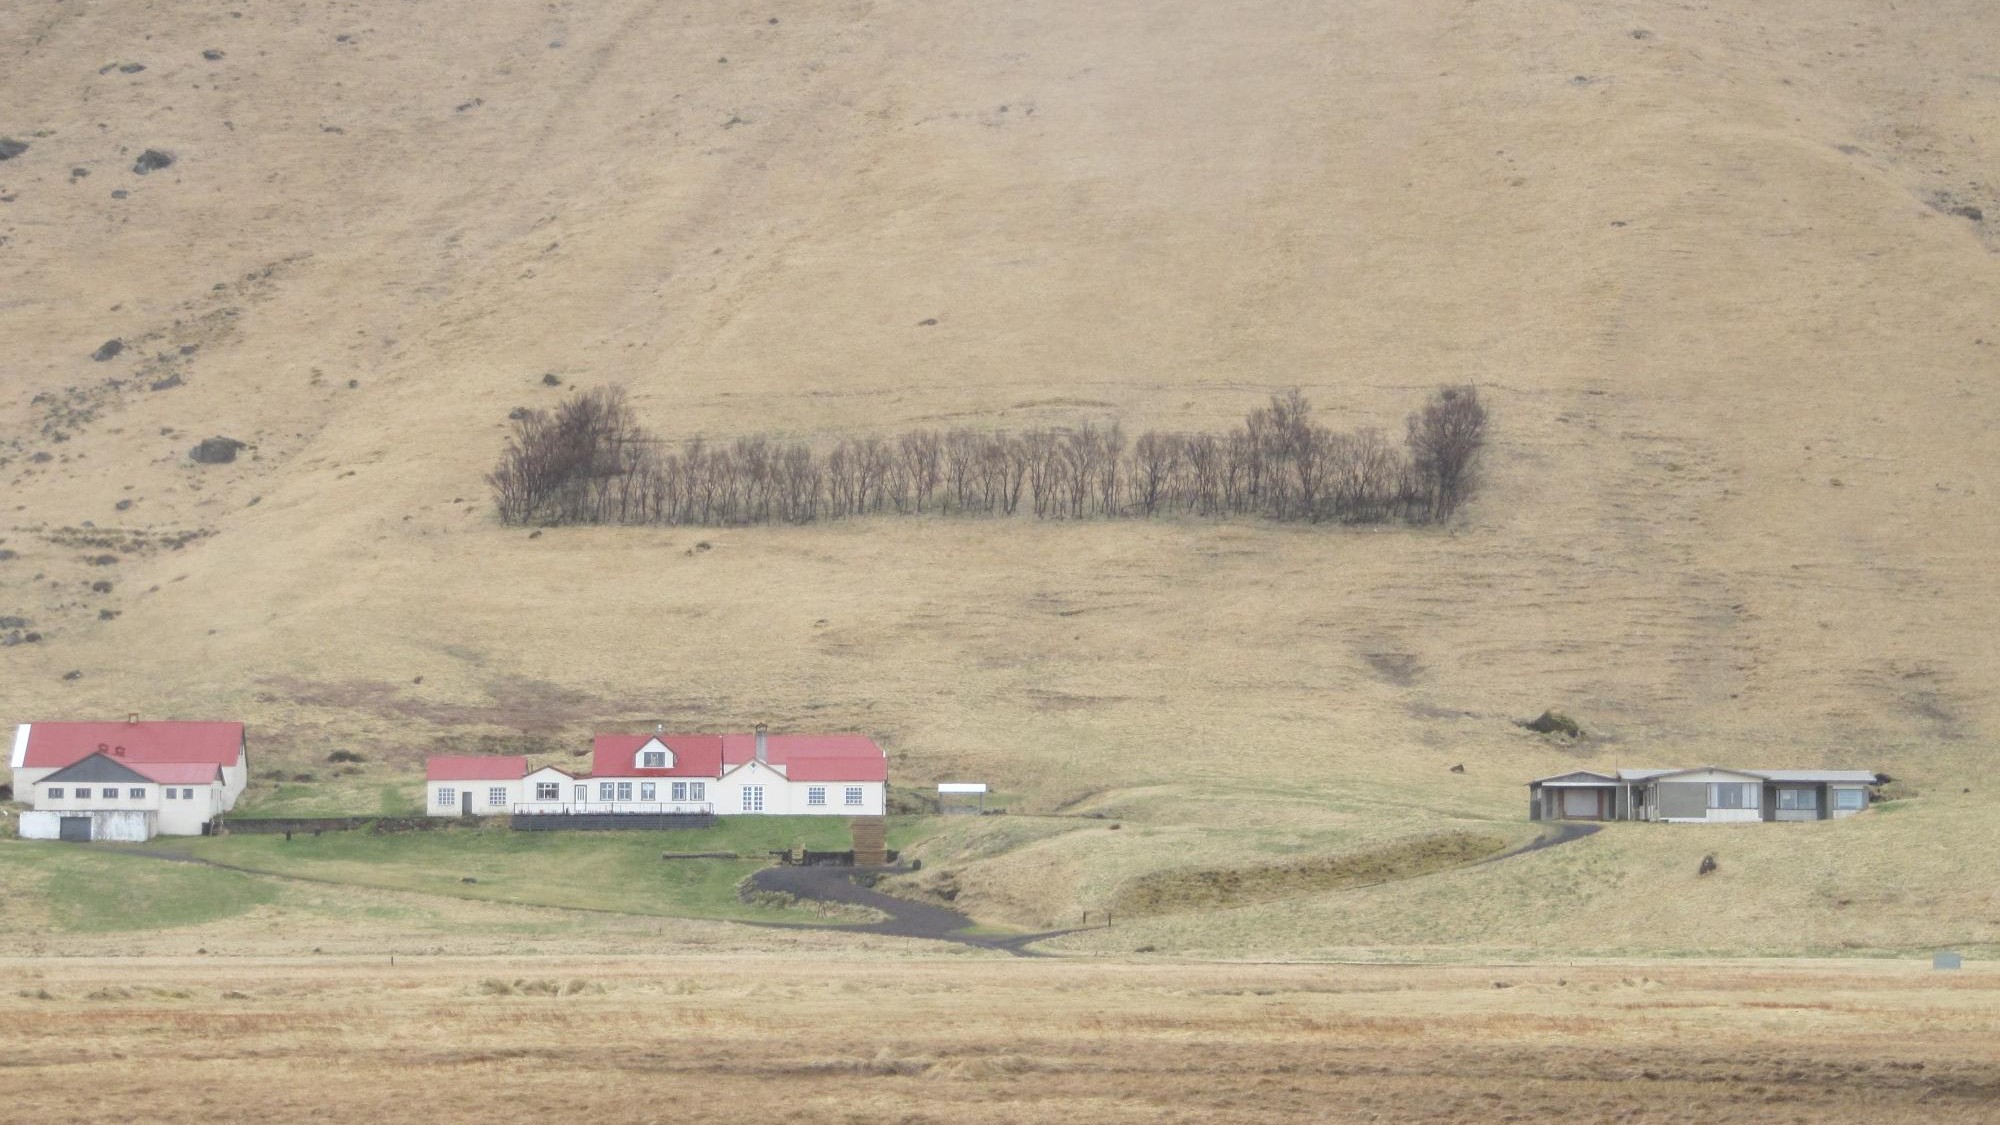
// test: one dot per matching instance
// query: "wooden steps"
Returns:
(871, 841)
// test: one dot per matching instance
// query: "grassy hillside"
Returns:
(1725, 276)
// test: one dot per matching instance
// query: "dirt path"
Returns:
(1558, 832)
(907, 918)
(912, 919)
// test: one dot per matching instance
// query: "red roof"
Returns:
(813, 757)
(476, 767)
(695, 755)
(55, 745)
(178, 773)
(814, 768)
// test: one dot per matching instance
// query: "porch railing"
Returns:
(600, 808)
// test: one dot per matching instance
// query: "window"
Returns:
(83, 794)
(680, 790)
(497, 796)
(187, 794)
(655, 760)
(447, 797)
(137, 794)
(816, 795)
(548, 791)
(170, 793)
(697, 791)
(606, 791)
(1849, 800)
(55, 793)
(624, 790)
(648, 791)
(1802, 799)
(1730, 795)
(753, 798)
(854, 794)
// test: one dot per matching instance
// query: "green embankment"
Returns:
(114, 887)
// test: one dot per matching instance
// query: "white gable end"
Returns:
(20, 757)
(649, 756)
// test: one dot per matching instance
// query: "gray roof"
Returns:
(97, 767)
(1818, 777)
(1862, 777)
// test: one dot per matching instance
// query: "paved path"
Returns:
(907, 918)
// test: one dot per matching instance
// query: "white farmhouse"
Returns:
(126, 781)
(675, 774)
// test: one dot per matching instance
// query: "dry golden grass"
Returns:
(715, 1039)
(1738, 503)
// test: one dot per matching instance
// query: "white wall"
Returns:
(185, 816)
(481, 806)
(727, 794)
(128, 826)
(784, 797)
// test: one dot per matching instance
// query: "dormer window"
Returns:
(654, 755)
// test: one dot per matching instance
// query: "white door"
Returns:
(753, 798)
(1580, 804)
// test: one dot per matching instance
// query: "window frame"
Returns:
(135, 793)
(56, 793)
(1745, 793)
(649, 791)
(83, 793)
(697, 791)
(496, 797)
(624, 791)
(447, 797)
(606, 791)
(679, 789)
(652, 759)
(548, 790)
(856, 795)
(753, 798)
(1842, 796)
(816, 796)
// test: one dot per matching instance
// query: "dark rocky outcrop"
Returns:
(217, 450)
(109, 349)
(1555, 722)
(152, 160)
(11, 148)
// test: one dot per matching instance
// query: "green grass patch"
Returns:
(615, 871)
(103, 888)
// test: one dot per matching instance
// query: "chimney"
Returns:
(659, 728)
(763, 749)
(132, 718)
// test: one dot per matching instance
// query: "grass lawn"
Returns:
(616, 871)
(91, 889)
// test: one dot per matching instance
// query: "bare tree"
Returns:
(588, 461)
(1444, 441)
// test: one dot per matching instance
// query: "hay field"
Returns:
(711, 1039)
(1716, 270)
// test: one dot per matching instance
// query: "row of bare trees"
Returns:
(589, 461)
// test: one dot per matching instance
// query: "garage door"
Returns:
(74, 828)
(1580, 804)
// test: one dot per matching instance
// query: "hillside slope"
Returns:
(1717, 272)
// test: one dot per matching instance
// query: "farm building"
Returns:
(661, 773)
(1702, 795)
(126, 781)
